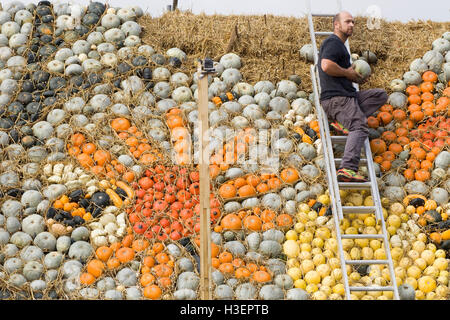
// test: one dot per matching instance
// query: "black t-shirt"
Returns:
(334, 49)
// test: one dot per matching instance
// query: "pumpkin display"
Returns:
(101, 188)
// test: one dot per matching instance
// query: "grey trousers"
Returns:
(352, 113)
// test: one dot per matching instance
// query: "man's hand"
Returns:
(354, 76)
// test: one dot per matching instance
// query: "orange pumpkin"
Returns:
(239, 182)
(403, 141)
(101, 157)
(139, 245)
(289, 175)
(426, 165)
(246, 191)
(396, 148)
(77, 139)
(373, 122)
(388, 136)
(284, 220)
(226, 268)
(418, 153)
(87, 278)
(422, 175)
(88, 148)
(274, 183)
(227, 191)
(417, 116)
(163, 270)
(413, 90)
(95, 267)
(401, 132)
(85, 160)
(253, 223)
(152, 292)
(113, 263)
(408, 174)
(174, 121)
(147, 279)
(385, 165)
(407, 123)
(384, 117)
(231, 221)
(387, 108)
(414, 99)
(414, 107)
(104, 253)
(377, 146)
(225, 257)
(388, 156)
(446, 235)
(262, 188)
(261, 276)
(253, 180)
(436, 237)
(426, 97)
(125, 254)
(413, 164)
(429, 76)
(242, 273)
(120, 124)
(426, 86)
(399, 115)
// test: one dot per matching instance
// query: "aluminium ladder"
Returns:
(334, 186)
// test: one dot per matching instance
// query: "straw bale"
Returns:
(269, 45)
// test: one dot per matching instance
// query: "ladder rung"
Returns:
(358, 209)
(338, 139)
(323, 14)
(339, 160)
(354, 185)
(374, 288)
(362, 236)
(323, 33)
(367, 262)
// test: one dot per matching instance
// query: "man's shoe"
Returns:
(339, 128)
(347, 175)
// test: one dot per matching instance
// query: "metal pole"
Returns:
(205, 219)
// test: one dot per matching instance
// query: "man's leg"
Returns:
(371, 100)
(347, 112)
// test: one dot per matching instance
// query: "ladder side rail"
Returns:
(387, 250)
(328, 149)
(379, 212)
(377, 202)
(313, 37)
(373, 180)
(326, 143)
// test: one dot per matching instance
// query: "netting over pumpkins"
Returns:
(99, 124)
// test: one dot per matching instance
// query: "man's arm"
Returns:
(333, 69)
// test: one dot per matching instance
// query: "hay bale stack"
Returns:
(270, 45)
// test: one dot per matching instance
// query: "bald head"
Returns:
(343, 23)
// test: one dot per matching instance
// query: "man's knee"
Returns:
(359, 124)
(383, 96)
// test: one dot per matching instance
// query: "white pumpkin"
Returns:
(231, 60)
(398, 99)
(231, 76)
(362, 68)
(398, 85)
(441, 45)
(307, 52)
(434, 60)
(412, 78)
(418, 65)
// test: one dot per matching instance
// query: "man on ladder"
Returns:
(341, 102)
